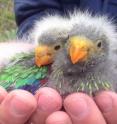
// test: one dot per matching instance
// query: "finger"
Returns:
(48, 101)
(17, 107)
(82, 109)
(3, 94)
(58, 117)
(107, 102)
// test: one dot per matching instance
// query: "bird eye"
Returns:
(57, 47)
(99, 44)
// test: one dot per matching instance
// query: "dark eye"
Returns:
(99, 44)
(57, 47)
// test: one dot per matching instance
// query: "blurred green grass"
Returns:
(7, 20)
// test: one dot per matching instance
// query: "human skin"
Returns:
(19, 106)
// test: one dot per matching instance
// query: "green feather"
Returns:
(21, 71)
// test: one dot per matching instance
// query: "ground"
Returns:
(7, 20)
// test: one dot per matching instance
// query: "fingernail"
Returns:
(47, 103)
(106, 103)
(19, 106)
(77, 108)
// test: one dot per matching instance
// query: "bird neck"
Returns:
(91, 81)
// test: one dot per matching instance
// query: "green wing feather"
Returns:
(21, 71)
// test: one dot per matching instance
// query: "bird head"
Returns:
(84, 53)
(50, 45)
(49, 35)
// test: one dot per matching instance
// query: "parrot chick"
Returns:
(85, 60)
(49, 35)
(19, 62)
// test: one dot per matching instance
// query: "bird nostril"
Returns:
(88, 49)
(49, 54)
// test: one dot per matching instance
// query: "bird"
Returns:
(25, 64)
(75, 53)
(87, 62)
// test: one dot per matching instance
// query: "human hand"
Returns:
(79, 107)
(49, 104)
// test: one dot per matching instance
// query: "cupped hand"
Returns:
(21, 107)
(79, 108)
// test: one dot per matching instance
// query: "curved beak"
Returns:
(78, 49)
(43, 55)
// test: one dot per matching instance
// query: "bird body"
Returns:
(81, 49)
(18, 70)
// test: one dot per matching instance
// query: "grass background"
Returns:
(7, 20)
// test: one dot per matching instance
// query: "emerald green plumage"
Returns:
(21, 72)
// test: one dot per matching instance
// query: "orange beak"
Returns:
(78, 49)
(43, 55)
